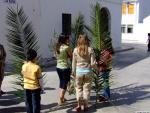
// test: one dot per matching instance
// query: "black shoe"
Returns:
(102, 99)
(42, 92)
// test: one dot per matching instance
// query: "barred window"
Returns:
(10, 1)
(130, 29)
(123, 28)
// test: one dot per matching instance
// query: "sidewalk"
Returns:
(130, 90)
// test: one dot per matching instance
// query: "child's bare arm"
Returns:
(39, 73)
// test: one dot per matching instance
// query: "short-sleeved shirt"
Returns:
(62, 57)
(31, 73)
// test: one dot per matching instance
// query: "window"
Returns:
(128, 8)
(131, 9)
(123, 8)
(123, 28)
(127, 29)
(10, 1)
(130, 29)
(66, 23)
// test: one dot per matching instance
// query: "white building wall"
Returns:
(140, 21)
(30, 10)
(3, 27)
(2, 24)
(51, 17)
(46, 16)
(130, 19)
(115, 13)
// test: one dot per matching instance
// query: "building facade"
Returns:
(46, 16)
(135, 21)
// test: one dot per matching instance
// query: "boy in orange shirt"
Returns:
(31, 74)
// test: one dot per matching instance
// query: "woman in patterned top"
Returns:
(63, 52)
(83, 61)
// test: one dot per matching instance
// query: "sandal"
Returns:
(78, 109)
(64, 100)
(86, 109)
(61, 102)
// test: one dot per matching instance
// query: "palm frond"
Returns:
(20, 34)
(77, 28)
(95, 29)
(20, 37)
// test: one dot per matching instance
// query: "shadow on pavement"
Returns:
(13, 110)
(9, 99)
(49, 88)
(130, 94)
(48, 106)
(125, 95)
(65, 106)
(126, 58)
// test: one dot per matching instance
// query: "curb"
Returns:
(123, 50)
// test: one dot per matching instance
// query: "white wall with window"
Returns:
(136, 26)
(127, 29)
(46, 16)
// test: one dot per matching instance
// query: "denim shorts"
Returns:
(64, 77)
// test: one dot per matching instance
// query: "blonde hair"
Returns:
(82, 45)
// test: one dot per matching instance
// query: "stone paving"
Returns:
(130, 89)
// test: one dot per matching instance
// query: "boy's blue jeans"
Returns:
(32, 100)
(106, 89)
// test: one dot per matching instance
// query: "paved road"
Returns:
(130, 89)
(132, 53)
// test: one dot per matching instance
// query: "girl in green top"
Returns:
(63, 52)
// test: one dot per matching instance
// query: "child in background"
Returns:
(148, 44)
(105, 64)
(31, 74)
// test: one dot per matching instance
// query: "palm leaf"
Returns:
(100, 40)
(77, 29)
(20, 37)
(95, 28)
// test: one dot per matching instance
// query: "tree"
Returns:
(101, 40)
